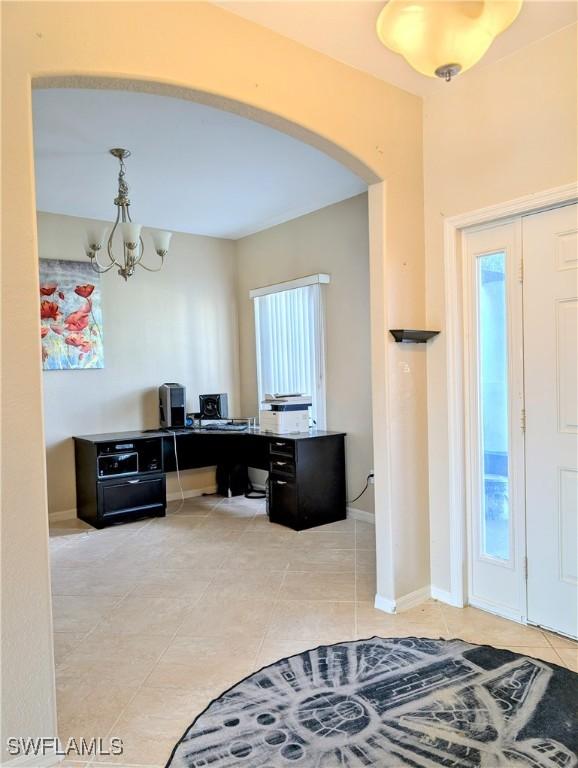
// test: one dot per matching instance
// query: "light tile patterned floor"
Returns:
(156, 618)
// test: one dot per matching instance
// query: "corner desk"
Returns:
(122, 475)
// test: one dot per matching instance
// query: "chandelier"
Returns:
(133, 246)
(441, 38)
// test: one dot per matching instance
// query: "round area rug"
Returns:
(397, 702)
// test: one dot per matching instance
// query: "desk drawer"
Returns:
(136, 496)
(280, 447)
(282, 501)
(282, 465)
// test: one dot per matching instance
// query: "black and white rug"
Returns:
(399, 702)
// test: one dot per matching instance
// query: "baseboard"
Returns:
(443, 596)
(412, 599)
(384, 604)
(360, 514)
(63, 514)
(192, 493)
(403, 603)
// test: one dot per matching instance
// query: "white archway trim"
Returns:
(454, 357)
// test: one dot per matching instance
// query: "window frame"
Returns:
(320, 393)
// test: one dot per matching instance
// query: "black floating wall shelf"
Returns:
(417, 337)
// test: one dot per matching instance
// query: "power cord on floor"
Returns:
(370, 475)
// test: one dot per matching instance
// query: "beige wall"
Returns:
(202, 52)
(179, 324)
(332, 240)
(398, 372)
(509, 129)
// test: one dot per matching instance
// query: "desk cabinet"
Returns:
(111, 490)
(306, 481)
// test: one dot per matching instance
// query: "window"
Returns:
(290, 341)
(493, 372)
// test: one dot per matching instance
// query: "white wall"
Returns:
(179, 324)
(332, 240)
(507, 130)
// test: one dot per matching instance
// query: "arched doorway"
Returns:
(372, 127)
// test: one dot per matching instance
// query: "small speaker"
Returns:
(214, 406)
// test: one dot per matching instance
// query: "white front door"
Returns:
(494, 398)
(550, 249)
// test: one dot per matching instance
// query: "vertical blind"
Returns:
(291, 346)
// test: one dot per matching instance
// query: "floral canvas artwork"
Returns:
(70, 315)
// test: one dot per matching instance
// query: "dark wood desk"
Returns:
(306, 483)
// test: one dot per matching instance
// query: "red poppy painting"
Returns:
(49, 310)
(78, 321)
(84, 290)
(70, 315)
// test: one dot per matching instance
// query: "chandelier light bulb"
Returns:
(161, 240)
(131, 233)
(441, 38)
(96, 235)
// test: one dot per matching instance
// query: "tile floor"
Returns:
(156, 618)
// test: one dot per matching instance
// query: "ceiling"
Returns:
(205, 171)
(345, 30)
(193, 168)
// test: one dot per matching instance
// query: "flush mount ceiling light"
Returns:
(133, 246)
(441, 38)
